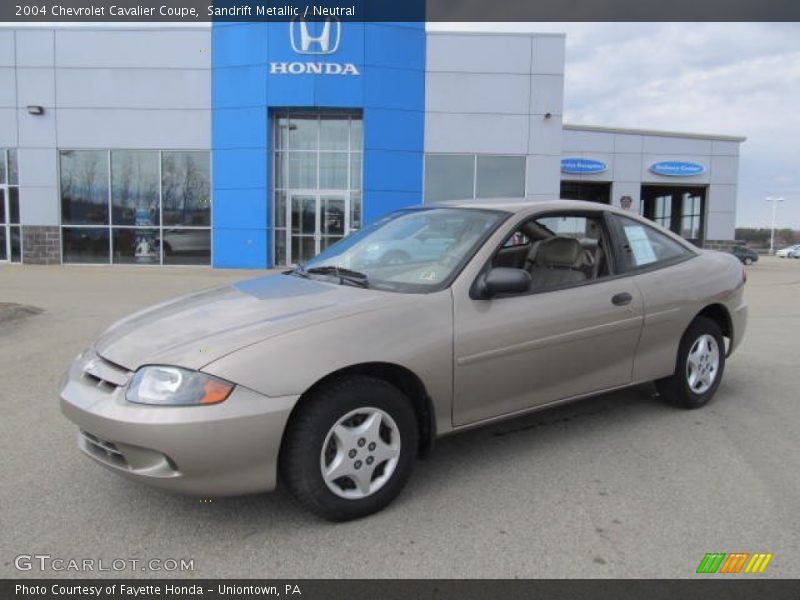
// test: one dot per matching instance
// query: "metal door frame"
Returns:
(316, 194)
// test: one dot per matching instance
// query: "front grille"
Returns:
(103, 374)
(104, 450)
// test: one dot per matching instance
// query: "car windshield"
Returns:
(407, 251)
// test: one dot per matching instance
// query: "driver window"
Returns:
(558, 250)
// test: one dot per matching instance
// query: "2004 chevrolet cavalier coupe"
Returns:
(338, 374)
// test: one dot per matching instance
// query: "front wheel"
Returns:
(699, 367)
(350, 449)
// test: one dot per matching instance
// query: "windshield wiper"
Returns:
(299, 270)
(345, 275)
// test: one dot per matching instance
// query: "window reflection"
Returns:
(187, 246)
(84, 187)
(137, 198)
(136, 246)
(185, 188)
(85, 244)
(134, 187)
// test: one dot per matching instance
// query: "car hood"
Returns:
(195, 330)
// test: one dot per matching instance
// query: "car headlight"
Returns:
(173, 386)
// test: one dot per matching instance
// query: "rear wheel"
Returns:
(350, 449)
(748, 260)
(699, 367)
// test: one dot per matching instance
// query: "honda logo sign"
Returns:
(325, 42)
(316, 38)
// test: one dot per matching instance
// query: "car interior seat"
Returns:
(557, 261)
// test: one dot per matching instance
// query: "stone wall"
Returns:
(41, 245)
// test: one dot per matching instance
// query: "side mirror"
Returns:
(504, 280)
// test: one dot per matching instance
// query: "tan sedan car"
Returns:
(335, 376)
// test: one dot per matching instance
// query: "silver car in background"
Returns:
(335, 376)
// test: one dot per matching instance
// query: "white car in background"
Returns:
(789, 252)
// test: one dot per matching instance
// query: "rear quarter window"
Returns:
(644, 246)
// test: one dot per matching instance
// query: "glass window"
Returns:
(142, 186)
(134, 187)
(500, 177)
(280, 247)
(186, 188)
(16, 243)
(302, 169)
(356, 134)
(2, 166)
(691, 216)
(187, 246)
(3, 243)
(13, 172)
(280, 209)
(281, 133)
(355, 171)
(2, 205)
(644, 245)
(355, 210)
(412, 250)
(333, 173)
(137, 246)
(449, 177)
(84, 187)
(302, 133)
(13, 205)
(334, 133)
(85, 244)
(580, 228)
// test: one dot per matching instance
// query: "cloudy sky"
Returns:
(724, 78)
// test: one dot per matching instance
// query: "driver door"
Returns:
(518, 352)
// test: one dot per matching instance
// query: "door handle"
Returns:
(622, 299)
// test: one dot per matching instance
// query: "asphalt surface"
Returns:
(614, 486)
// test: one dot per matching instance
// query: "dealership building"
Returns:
(260, 144)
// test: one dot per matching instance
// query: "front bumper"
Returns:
(224, 449)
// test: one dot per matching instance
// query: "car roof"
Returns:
(519, 205)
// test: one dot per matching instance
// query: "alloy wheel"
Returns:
(702, 364)
(360, 453)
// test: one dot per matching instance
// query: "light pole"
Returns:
(774, 200)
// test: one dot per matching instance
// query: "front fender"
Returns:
(416, 334)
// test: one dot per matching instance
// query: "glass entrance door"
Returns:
(680, 209)
(317, 158)
(304, 229)
(316, 220)
(332, 219)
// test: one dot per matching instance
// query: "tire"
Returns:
(374, 470)
(678, 389)
(748, 260)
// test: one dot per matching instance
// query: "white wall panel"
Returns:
(35, 86)
(121, 128)
(478, 53)
(134, 88)
(35, 47)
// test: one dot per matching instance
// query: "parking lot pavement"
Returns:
(614, 486)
